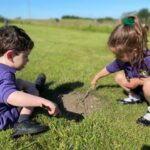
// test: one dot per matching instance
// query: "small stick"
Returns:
(87, 94)
(84, 98)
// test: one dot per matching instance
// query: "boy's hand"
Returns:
(52, 108)
(93, 84)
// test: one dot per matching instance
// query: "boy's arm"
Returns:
(22, 99)
(98, 76)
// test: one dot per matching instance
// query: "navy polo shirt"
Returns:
(8, 113)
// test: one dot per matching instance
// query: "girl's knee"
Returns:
(119, 78)
(146, 87)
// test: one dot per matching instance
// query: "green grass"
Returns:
(74, 24)
(68, 57)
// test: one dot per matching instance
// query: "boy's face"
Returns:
(20, 60)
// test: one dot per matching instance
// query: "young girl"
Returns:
(128, 42)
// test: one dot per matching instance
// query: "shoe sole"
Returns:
(143, 122)
(17, 135)
(128, 103)
(140, 123)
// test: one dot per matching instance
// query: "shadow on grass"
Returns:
(55, 95)
(108, 86)
(145, 147)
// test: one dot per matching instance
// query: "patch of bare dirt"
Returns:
(80, 103)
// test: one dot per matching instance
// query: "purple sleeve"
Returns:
(114, 67)
(147, 62)
(7, 86)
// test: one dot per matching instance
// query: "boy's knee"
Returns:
(19, 83)
(34, 91)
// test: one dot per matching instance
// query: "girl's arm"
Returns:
(98, 76)
(22, 99)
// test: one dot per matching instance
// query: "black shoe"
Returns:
(28, 127)
(40, 81)
(143, 121)
(129, 102)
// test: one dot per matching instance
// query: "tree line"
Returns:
(143, 14)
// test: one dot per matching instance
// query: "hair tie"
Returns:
(129, 21)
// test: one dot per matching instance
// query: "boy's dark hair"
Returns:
(14, 38)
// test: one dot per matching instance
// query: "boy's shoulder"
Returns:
(5, 68)
(6, 72)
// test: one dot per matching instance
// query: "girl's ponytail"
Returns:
(130, 37)
(140, 29)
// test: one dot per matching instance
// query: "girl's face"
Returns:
(122, 56)
(20, 60)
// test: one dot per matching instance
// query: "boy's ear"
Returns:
(9, 55)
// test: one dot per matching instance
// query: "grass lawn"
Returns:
(70, 58)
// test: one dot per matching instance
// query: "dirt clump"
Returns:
(78, 103)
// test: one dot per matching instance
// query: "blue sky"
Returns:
(43, 9)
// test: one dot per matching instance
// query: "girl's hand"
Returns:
(102, 73)
(93, 84)
(52, 108)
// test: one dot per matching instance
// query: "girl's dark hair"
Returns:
(14, 38)
(130, 37)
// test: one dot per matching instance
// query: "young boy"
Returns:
(15, 46)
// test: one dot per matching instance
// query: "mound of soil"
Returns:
(78, 103)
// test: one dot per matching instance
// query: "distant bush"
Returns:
(76, 17)
(57, 20)
(70, 17)
(144, 15)
(105, 19)
(2, 18)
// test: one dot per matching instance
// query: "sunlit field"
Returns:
(69, 56)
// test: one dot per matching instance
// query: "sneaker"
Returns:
(131, 99)
(40, 81)
(28, 128)
(145, 120)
